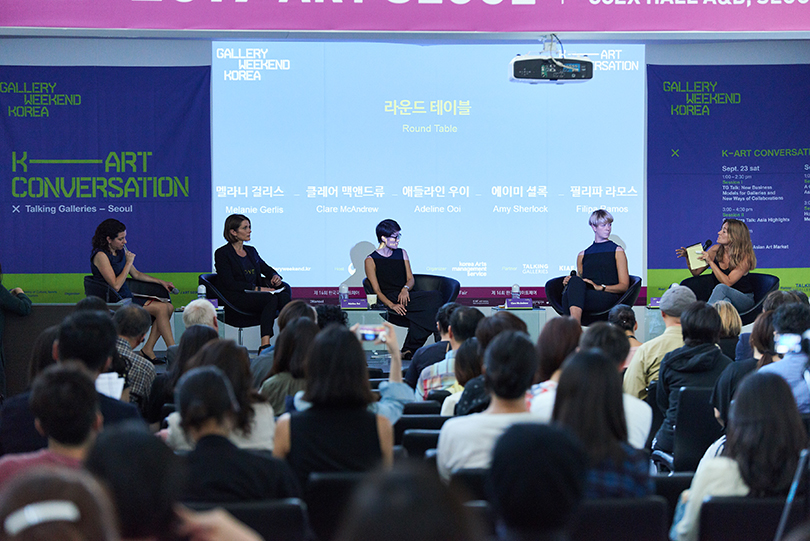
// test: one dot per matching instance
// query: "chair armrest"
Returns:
(665, 460)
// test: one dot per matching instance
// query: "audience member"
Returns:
(65, 407)
(792, 319)
(254, 426)
(764, 354)
(730, 329)
(406, 504)
(536, 482)
(331, 313)
(623, 317)
(289, 363)
(338, 432)
(132, 323)
(88, 337)
(432, 353)
(558, 339)
(42, 353)
(510, 363)
(468, 366)
(697, 364)
(218, 470)
(772, 301)
(145, 479)
(589, 403)
(394, 393)
(92, 302)
(56, 504)
(197, 312)
(262, 364)
(441, 376)
(15, 302)
(765, 435)
(644, 367)
(192, 341)
(475, 397)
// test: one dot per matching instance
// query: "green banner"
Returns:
(658, 280)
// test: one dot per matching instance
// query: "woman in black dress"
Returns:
(602, 274)
(242, 274)
(389, 271)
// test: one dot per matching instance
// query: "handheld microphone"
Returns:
(174, 291)
(707, 244)
(573, 273)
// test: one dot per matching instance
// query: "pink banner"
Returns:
(415, 15)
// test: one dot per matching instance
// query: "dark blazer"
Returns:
(221, 472)
(230, 275)
(17, 304)
(19, 435)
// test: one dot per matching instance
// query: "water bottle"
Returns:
(201, 291)
(515, 291)
(343, 294)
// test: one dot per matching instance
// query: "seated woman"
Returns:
(389, 271)
(624, 318)
(558, 339)
(255, 424)
(730, 260)
(338, 432)
(218, 470)
(112, 262)
(242, 274)
(15, 302)
(697, 364)
(288, 375)
(765, 435)
(602, 274)
(589, 403)
(467, 366)
(730, 329)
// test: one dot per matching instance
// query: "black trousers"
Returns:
(420, 318)
(265, 304)
(578, 293)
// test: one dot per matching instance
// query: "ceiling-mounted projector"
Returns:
(539, 68)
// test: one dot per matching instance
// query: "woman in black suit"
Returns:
(242, 274)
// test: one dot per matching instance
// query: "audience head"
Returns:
(589, 403)
(232, 224)
(42, 352)
(529, 456)
(792, 318)
(56, 504)
(106, 231)
(192, 341)
(731, 324)
(386, 228)
(762, 339)
(293, 346)
(234, 362)
(92, 303)
(337, 373)
(463, 323)
(777, 298)
(331, 313)
(405, 504)
(132, 321)
(490, 327)
(293, 310)
(444, 314)
(764, 410)
(467, 361)
(88, 337)
(558, 339)
(64, 402)
(676, 300)
(144, 477)
(599, 217)
(199, 312)
(623, 317)
(510, 363)
(700, 324)
(800, 295)
(607, 338)
(204, 394)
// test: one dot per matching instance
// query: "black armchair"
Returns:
(554, 294)
(448, 287)
(763, 284)
(232, 315)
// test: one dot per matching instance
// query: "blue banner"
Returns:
(82, 144)
(729, 142)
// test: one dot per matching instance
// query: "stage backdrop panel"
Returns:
(729, 142)
(79, 145)
(492, 182)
